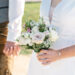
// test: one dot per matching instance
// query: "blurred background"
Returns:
(32, 0)
(21, 62)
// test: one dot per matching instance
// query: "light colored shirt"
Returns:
(16, 11)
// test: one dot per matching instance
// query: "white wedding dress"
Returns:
(64, 21)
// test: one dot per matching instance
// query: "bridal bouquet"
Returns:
(37, 35)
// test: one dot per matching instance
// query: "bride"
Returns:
(60, 59)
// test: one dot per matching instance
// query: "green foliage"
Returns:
(25, 51)
(46, 37)
(32, 11)
(37, 47)
(42, 26)
(28, 25)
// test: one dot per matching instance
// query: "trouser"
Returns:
(6, 63)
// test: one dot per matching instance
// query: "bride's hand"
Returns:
(48, 56)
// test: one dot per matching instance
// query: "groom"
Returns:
(4, 4)
(10, 48)
(16, 11)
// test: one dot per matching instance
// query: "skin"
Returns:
(55, 3)
(11, 49)
(48, 56)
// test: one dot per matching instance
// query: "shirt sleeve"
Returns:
(16, 11)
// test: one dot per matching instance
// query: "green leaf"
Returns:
(46, 37)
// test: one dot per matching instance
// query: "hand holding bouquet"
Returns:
(37, 35)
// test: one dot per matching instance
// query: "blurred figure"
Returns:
(16, 10)
(4, 5)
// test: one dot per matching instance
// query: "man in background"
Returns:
(16, 10)
(4, 5)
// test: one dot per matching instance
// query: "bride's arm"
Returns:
(67, 52)
(48, 56)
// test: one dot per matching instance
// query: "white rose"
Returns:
(47, 32)
(38, 38)
(35, 29)
(53, 35)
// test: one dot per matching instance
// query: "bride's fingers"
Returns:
(45, 60)
(46, 63)
(43, 56)
(43, 52)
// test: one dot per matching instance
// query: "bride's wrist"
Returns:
(59, 52)
(62, 54)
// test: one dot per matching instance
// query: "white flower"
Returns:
(28, 41)
(25, 35)
(47, 21)
(53, 35)
(47, 32)
(37, 24)
(31, 23)
(38, 38)
(35, 29)
(23, 41)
